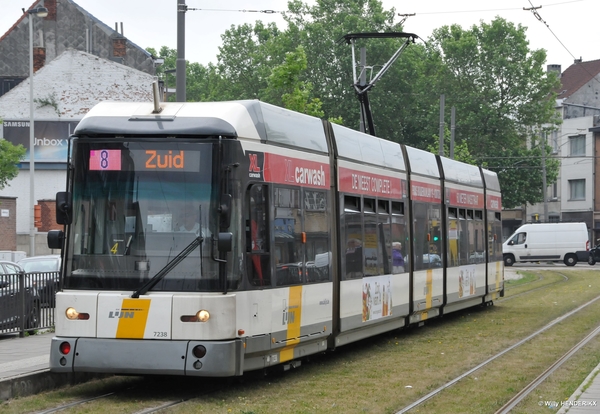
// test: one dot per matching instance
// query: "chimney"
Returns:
(578, 60)
(51, 6)
(553, 68)
(119, 45)
(39, 58)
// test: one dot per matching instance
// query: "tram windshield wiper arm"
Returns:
(168, 267)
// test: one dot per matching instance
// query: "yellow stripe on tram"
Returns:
(429, 296)
(294, 320)
(134, 315)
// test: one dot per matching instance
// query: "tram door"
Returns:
(257, 236)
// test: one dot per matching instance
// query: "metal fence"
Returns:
(27, 302)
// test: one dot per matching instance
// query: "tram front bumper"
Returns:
(141, 357)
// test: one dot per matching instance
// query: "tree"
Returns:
(520, 175)
(250, 53)
(286, 89)
(247, 57)
(503, 98)
(202, 82)
(10, 156)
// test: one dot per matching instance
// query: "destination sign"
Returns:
(145, 160)
(105, 160)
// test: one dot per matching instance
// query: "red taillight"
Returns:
(65, 348)
(587, 245)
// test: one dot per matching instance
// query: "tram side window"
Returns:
(494, 236)
(317, 230)
(258, 237)
(452, 237)
(399, 259)
(478, 254)
(352, 236)
(463, 237)
(427, 236)
(371, 246)
(287, 232)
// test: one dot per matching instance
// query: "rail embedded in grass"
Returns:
(388, 372)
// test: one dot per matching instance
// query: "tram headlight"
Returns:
(200, 316)
(72, 315)
(203, 315)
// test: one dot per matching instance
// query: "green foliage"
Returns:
(201, 81)
(498, 85)
(461, 152)
(10, 156)
(520, 174)
(286, 89)
(49, 100)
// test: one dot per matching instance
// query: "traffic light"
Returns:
(436, 234)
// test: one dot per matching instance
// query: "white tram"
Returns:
(211, 239)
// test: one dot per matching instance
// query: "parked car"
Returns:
(44, 272)
(10, 314)
(432, 260)
(594, 254)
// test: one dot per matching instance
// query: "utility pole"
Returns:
(180, 65)
(452, 131)
(442, 104)
(544, 185)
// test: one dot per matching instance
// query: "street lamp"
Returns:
(39, 12)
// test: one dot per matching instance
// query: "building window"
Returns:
(577, 145)
(554, 142)
(577, 189)
(554, 191)
(553, 218)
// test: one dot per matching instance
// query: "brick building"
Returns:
(79, 62)
(67, 26)
(8, 223)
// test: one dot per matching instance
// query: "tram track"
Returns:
(160, 405)
(75, 403)
(533, 385)
(518, 295)
(164, 395)
(520, 396)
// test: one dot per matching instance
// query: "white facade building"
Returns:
(64, 91)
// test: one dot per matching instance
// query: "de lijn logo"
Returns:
(123, 313)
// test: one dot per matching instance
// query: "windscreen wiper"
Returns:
(168, 267)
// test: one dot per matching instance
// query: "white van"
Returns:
(547, 242)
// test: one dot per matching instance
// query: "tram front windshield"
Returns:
(136, 206)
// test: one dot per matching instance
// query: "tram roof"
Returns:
(491, 180)
(422, 162)
(461, 173)
(245, 119)
(250, 119)
(354, 145)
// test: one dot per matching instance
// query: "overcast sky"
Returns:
(567, 29)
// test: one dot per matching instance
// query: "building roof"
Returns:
(576, 76)
(70, 85)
